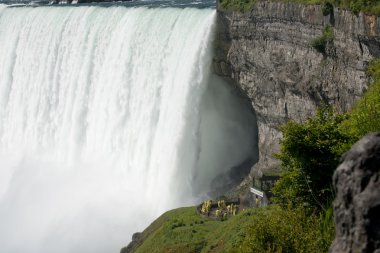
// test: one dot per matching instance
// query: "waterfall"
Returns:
(108, 117)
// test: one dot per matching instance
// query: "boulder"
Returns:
(357, 204)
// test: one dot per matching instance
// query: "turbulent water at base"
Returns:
(108, 117)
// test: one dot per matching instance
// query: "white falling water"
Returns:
(101, 111)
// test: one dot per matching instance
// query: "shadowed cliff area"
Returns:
(268, 51)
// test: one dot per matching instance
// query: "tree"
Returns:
(310, 153)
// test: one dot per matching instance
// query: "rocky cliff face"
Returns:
(357, 202)
(268, 54)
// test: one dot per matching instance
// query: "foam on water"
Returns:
(108, 117)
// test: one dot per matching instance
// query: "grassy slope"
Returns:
(178, 230)
(182, 230)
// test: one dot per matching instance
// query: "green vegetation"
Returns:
(365, 116)
(356, 6)
(278, 229)
(179, 230)
(320, 42)
(236, 5)
(270, 229)
(310, 151)
(302, 221)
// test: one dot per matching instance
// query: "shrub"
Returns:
(309, 153)
(278, 229)
(320, 42)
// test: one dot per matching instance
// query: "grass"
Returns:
(270, 229)
(179, 230)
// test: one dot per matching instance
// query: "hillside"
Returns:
(265, 230)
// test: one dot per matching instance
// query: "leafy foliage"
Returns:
(321, 42)
(289, 230)
(365, 116)
(310, 152)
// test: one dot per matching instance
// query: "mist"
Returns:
(108, 118)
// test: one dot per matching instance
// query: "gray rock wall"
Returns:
(357, 202)
(268, 53)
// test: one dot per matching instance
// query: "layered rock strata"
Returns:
(267, 52)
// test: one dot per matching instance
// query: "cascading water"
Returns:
(108, 117)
